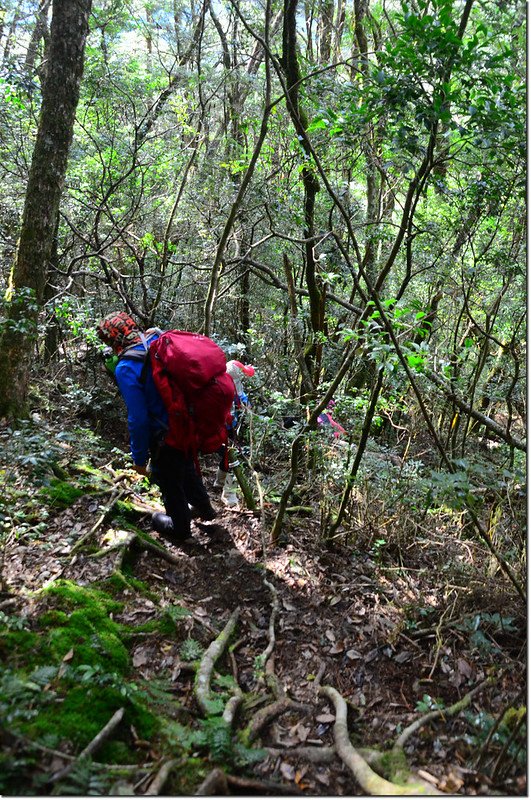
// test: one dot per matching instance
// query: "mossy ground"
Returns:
(60, 494)
(61, 681)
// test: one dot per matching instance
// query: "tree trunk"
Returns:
(40, 33)
(314, 283)
(60, 95)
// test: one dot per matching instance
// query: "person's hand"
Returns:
(141, 470)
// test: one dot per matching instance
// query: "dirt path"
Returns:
(342, 619)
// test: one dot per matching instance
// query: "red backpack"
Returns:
(189, 371)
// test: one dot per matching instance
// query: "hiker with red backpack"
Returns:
(178, 397)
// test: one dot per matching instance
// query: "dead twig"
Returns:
(92, 746)
(439, 639)
(117, 495)
(319, 677)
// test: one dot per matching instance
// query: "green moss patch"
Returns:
(84, 711)
(60, 494)
(95, 602)
(16, 645)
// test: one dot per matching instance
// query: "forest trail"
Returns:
(393, 641)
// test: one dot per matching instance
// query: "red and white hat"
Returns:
(247, 369)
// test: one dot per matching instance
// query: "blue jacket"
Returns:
(147, 418)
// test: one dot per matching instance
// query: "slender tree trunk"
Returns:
(40, 33)
(325, 30)
(314, 283)
(60, 95)
(11, 33)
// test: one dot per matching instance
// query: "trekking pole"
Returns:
(236, 467)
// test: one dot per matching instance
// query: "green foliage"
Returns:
(18, 310)
(501, 734)
(22, 696)
(483, 628)
(84, 779)
(17, 644)
(31, 446)
(428, 703)
(218, 738)
(190, 650)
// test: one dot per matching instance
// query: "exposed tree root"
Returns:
(315, 755)
(157, 784)
(215, 783)
(323, 755)
(260, 786)
(206, 667)
(271, 643)
(231, 709)
(132, 541)
(268, 713)
(92, 746)
(369, 781)
(157, 550)
(124, 540)
(438, 713)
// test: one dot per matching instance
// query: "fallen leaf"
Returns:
(325, 718)
(140, 658)
(288, 772)
(464, 668)
(372, 655)
(299, 775)
(288, 606)
(323, 776)
(402, 657)
(353, 654)
(69, 656)
(300, 732)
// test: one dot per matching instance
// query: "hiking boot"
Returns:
(228, 495)
(221, 476)
(206, 513)
(163, 524)
(229, 498)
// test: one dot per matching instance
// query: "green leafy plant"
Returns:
(190, 650)
(428, 703)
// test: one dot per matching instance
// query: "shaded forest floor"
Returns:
(92, 623)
